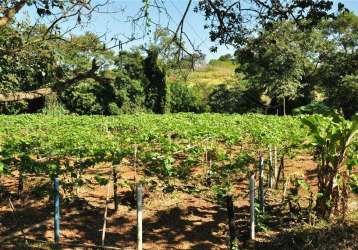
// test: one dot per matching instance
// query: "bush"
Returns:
(184, 98)
(129, 96)
(13, 108)
(312, 108)
(82, 98)
(120, 96)
(232, 99)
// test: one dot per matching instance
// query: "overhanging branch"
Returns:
(57, 88)
(9, 13)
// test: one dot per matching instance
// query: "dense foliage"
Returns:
(172, 146)
(305, 66)
(279, 70)
(47, 144)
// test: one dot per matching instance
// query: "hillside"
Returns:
(216, 72)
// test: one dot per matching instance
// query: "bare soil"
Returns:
(176, 220)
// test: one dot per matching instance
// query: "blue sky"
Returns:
(115, 24)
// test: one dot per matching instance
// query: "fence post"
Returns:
(275, 167)
(270, 176)
(135, 162)
(261, 183)
(105, 215)
(57, 210)
(252, 206)
(280, 171)
(139, 216)
(115, 187)
(231, 220)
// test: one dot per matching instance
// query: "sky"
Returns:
(114, 23)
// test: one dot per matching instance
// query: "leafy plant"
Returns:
(332, 138)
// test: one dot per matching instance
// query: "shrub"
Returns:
(312, 108)
(184, 98)
(232, 99)
(82, 98)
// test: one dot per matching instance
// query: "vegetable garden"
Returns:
(209, 155)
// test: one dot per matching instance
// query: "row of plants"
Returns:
(67, 145)
(171, 147)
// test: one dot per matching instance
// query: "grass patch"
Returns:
(213, 74)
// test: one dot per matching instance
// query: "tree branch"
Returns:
(57, 88)
(9, 13)
(25, 95)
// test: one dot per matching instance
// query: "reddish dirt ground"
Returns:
(177, 220)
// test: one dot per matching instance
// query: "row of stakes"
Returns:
(139, 195)
(273, 176)
(273, 171)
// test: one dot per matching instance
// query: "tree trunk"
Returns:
(324, 202)
(26, 95)
(323, 206)
(284, 105)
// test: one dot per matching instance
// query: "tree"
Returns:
(25, 72)
(28, 38)
(156, 89)
(31, 69)
(122, 95)
(58, 10)
(337, 71)
(226, 57)
(274, 61)
(344, 95)
(232, 21)
(234, 99)
(294, 65)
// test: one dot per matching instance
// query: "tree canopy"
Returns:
(292, 53)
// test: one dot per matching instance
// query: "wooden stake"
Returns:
(285, 189)
(252, 207)
(261, 183)
(115, 188)
(280, 170)
(275, 168)
(57, 210)
(105, 215)
(231, 220)
(270, 176)
(20, 185)
(139, 217)
(77, 178)
(135, 163)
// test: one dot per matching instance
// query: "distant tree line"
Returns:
(284, 67)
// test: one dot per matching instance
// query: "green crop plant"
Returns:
(333, 139)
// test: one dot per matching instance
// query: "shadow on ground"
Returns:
(335, 237)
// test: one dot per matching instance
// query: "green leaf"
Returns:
(2, 167)
(101, 181)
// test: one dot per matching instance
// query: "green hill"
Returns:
(216, 72)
